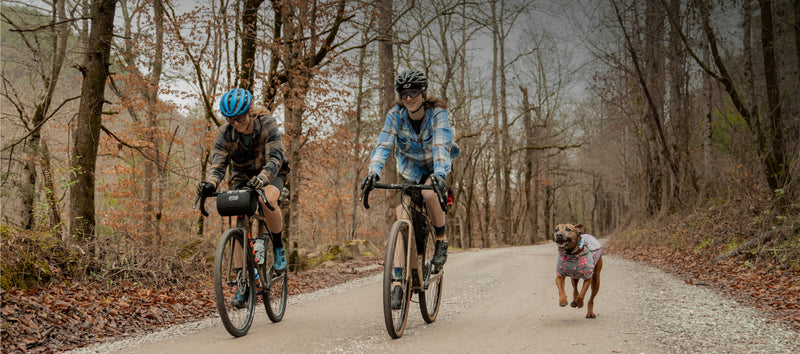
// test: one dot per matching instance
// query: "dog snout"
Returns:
(561, 237)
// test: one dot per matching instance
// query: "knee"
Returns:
(272, 193)
(428, 194)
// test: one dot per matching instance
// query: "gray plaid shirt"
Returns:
(264, 157)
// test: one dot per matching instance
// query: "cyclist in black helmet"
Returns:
(251, 143)
(418, 128)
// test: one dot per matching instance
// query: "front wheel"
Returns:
(396, 280)
(232, 275)
(276, 285)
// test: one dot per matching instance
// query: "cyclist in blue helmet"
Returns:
(251, 143)
(418, 129)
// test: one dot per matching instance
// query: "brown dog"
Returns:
(580, 256)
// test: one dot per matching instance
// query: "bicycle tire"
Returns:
(228, 279)
(275, 285)
(396, 319)
(431, 298)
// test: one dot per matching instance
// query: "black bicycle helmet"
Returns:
(410, 79)
(235, 102)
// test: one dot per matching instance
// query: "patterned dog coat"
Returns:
(580, 265)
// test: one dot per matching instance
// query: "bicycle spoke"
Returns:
(230, 275)
(431, 297)
(396, 286)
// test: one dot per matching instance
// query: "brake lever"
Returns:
(365, 195)
(441, 195)
(202, 200)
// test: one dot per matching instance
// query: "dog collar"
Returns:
(576, 249)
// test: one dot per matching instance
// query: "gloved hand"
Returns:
(368, 181)
(258, 182)
(438, 181)
(206, 189)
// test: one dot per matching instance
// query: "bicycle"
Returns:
(235, 267)
(416, 273)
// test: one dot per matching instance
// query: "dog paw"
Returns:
(573, 304)
(562, 304)
(591, 315)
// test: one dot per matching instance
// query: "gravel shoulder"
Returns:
(502, 300)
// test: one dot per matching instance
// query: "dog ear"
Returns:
(580, 229)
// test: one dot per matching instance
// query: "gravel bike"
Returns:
(235, 266)
(407, 265)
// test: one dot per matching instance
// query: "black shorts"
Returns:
(279, 181)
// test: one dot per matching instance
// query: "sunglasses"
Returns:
(409, 93)
(237, 119)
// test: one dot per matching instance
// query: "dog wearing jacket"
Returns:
(580, 256)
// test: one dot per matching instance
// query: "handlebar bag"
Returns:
(237, 202)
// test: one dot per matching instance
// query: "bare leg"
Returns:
(274, 218)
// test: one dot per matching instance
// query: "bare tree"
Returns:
(308, 35)
(87, 129)
(776, 162)
(48, 64)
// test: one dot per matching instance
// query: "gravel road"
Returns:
(498, 300)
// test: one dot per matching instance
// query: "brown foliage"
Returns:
(767, 277)
(63, 317)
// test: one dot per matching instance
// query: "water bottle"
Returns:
(258, 247)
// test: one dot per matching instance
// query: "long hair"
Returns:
(259, 111)
(428, 101)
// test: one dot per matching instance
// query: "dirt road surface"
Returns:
(498, 300)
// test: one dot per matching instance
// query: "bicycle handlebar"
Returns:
(202, 199)
(439, 194)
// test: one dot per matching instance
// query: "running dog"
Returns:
(579, 257)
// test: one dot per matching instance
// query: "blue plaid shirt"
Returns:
(420, 155)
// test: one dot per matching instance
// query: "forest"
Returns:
(670, 125)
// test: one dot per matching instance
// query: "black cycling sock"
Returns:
(276, 240)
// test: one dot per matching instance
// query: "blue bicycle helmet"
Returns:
(235, 102)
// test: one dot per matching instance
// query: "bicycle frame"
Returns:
(413, 261)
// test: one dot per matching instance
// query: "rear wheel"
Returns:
(431, 298)
(275, 285)
(396, 316)
(232, 273)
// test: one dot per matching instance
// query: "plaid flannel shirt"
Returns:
(265, 157)
(418, 155)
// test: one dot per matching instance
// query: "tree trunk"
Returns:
(530, 212)
(796, 26)
(362, 54)
(153, 167)
(654, 71)
(39, 155)
(681, 120)
(776, 162)
(249, 33)
(387, 75)
(87, 127)
(496, 127)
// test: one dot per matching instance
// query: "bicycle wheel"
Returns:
(431, 298)
(231, 273)
(275, 286)
(396, 249)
